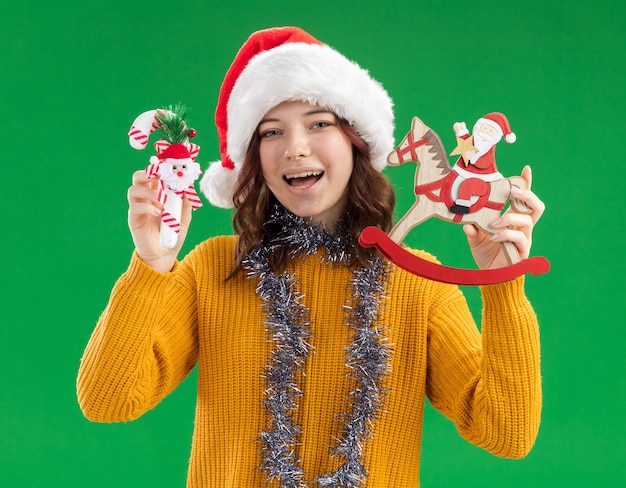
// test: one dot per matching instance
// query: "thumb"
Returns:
(185, 221)
(185, 218)
(470, 231)
(527, 174)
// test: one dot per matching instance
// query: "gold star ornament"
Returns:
(464, 148)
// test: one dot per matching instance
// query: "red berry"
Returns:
(192, 133)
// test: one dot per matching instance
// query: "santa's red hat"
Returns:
(174, 151)
(287, 63)
(501, 124)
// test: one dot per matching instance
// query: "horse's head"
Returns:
(408, 150)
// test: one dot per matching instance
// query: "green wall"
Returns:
(73, 76)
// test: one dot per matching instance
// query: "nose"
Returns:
(297, 145)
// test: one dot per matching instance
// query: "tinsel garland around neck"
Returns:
(287, 322)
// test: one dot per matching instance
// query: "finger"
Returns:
(143, 194)
(521, 241)
(532, 201)
(474, 235)
(136, 209)
(527, 174)
(140, 178)
(513, 220)
(471, 231)
(186, 213)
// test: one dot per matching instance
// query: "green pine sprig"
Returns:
(173, 125)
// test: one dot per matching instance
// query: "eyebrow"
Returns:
(310, 112)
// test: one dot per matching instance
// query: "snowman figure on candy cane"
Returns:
(174, 165)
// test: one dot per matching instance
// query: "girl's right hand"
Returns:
(144, 221)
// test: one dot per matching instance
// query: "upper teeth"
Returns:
(304, 174)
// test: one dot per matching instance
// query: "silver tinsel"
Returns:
(287, 323)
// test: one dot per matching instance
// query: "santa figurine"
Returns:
(476, 168)
(174, 165)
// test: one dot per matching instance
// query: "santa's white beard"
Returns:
(483, 142)
(171, 179)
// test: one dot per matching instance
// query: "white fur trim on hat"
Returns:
(218, 184)
(305, 72)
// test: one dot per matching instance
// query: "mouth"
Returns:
(304, 179)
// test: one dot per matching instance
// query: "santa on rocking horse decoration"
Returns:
(473, 191)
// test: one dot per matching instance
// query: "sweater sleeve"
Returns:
(144, 344)
(489, 384)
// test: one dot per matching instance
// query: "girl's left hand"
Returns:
(517, 228)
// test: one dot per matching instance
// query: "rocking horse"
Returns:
(437, 192)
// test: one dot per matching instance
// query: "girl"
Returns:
(314, 354)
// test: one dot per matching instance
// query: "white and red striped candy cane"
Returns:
(172, 222)
(172, 211)
(192, 196)
(144, 125)
(170, 218)
(138, 136)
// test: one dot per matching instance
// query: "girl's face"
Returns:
(306, 160)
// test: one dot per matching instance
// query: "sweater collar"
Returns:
(301, 237)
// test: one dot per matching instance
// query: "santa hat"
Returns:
(499, 121)
(174, 151)
(287, 63)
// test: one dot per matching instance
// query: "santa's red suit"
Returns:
(471, 183)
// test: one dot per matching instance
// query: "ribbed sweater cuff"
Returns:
(143, 277)
(509, 294)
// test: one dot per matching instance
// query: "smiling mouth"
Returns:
(304, 179)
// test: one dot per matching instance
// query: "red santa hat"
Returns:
(287, 63)
(174, 151)
(501, 124)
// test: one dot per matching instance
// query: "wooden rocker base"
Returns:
(374, 237)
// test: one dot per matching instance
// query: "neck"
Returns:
(285, 230)
(331, 218)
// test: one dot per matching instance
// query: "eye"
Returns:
(184, 166)
(321, 125)
(269, 133)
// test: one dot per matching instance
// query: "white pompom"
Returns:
(218, 183)
(510, 137)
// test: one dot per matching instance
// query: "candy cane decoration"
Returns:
(176, 156)
(144, 125)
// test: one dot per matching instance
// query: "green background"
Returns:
(74, 75)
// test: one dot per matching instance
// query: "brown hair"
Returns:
(370, 201)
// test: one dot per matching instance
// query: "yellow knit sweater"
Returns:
(158, 327)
